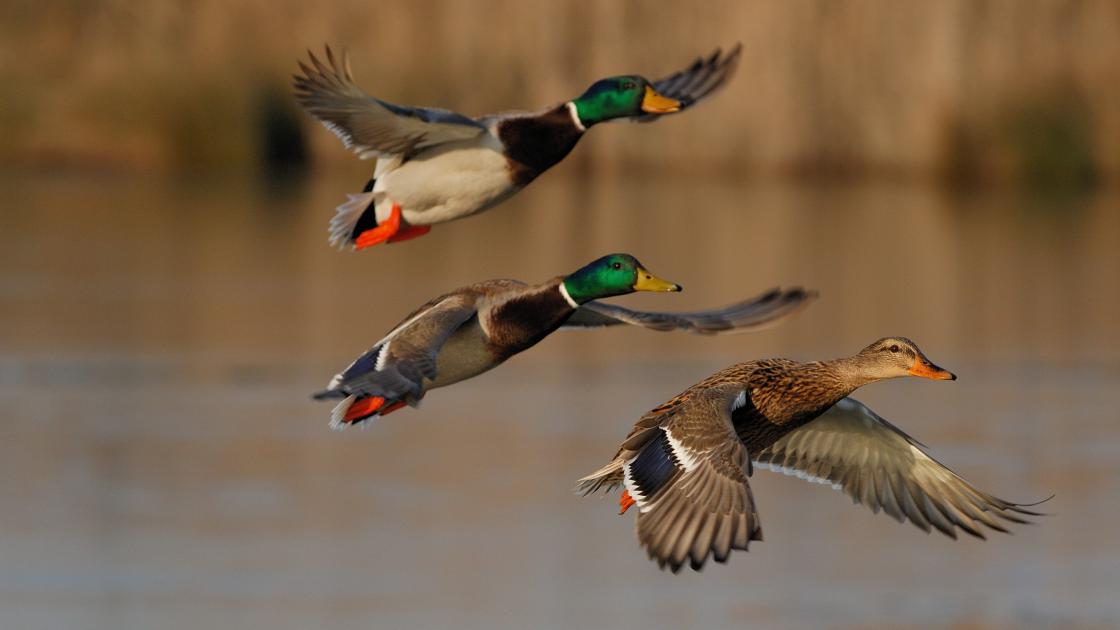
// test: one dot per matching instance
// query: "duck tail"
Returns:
(354, 410)
(355, 216)
(606, 478)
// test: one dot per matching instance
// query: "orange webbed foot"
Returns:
(363, 408)
(382, 233)
(410, 232)
(625, 501)
(393, 407)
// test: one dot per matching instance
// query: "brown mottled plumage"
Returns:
(686, 463)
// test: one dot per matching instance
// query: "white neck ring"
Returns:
(575, 116)
(567, 296)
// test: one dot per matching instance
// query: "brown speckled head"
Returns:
(892, 357)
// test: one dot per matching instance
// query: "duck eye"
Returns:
(616, 265)
(629, 85)
(894, 348)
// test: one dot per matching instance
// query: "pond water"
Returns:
(161, 464)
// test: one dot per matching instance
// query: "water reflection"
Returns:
(161, 465)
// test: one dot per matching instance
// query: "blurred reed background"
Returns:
(964, 91)
(942, 170)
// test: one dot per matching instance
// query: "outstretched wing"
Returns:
(396, 366)
(368, 126)
(698, 81)
(751, 314)
(686, 470)
(859, 453)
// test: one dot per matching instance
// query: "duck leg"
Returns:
(393, 407)
(364, 408)
(382, 233)
(410, 232)
(625, 501)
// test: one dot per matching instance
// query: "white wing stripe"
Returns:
(683, 455)
(383, 354)
(740, 401)
(632, 487)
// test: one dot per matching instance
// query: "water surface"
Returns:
(162, 466)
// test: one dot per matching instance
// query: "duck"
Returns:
(686, 464)
(435, 165)
(475, 328)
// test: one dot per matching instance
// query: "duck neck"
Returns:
(522, 321)
(573, 111)
(534, 143)
(567, 294)
(848, 374)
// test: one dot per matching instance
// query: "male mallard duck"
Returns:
(436, 165)
(475, 328)
(686, 463)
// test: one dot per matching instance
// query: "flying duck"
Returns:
(686, 464)
(474, 329)
(435, 165)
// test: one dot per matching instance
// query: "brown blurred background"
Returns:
(945, 171)
(963, 90)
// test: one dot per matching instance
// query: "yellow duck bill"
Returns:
(654, 103)
(649, 282)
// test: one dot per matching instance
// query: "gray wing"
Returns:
(761, 311)
(396, 366)
(698, 81)
(689, 481)
(859, 453)
(368, 126)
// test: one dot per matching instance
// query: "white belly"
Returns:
(448, 183)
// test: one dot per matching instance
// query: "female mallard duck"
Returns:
(435, 165)
(686, 463)
(475, 328)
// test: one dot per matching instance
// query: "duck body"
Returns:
(436, 165)
(453, 337)
(476, 328)
(512, 317)
(686, 464)
(456, 180)
(779, 395)
(442, 184)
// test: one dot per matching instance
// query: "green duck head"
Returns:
(615, 274)
(621, 97)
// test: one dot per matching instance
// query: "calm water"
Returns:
(162, 467)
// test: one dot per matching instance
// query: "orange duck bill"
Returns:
(923, 368)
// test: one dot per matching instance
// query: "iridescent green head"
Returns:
(616, 274)
(621, 97)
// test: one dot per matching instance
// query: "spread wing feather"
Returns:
(396, 366)
(698, 81)
(751, 314)
(859, 453)
(367, 125)
(687, 471)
